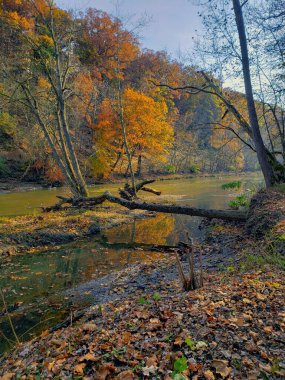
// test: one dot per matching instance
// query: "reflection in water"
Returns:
(35, 283)
(152, 231)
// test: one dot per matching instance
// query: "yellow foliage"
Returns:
(43, 83)
(20, 21)
(45, 40)
(148, 132)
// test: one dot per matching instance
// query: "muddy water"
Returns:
(34, 285)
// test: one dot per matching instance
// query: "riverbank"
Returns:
(146, 327)
(29, 234)
(149, 328)
(14, 185)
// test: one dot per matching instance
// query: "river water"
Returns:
(37, 284)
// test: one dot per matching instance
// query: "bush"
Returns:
(194, 168)
(3, 166)
(170, 168)
(240, 201)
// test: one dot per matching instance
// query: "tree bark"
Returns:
(139, 167)
(266, 168)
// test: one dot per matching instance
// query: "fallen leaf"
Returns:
(7, 376)
(126, 375)
(79, 368)
(209, 375)
(221, 367)
(200, 344)
(87, 357)
(268, 329)
(152, 361)
(147, 371)
(104, 371)
(265, 367)
(89, 327)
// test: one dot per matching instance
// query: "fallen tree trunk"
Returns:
(90, 202)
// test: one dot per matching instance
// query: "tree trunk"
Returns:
(139, 205)
(122, 119)
(279, 170)
(266, 168)
(139, 168)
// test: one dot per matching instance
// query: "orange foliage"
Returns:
(53, 173)
(103, 43)
(148, 132)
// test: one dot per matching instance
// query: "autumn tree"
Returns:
(43, 78)
(148, 132)
(101, 42)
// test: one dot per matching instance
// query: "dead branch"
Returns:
(91, 202)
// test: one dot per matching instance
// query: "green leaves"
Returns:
(156, 296)
(180, 364)
(195, 345)
(190, 343)
(143, 301)
(239, 201)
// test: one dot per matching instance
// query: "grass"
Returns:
(252, 261)
(231, 185)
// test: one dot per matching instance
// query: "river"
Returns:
(37, 283)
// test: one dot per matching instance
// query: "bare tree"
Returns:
(267, 169)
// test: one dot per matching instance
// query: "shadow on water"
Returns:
(34, 285)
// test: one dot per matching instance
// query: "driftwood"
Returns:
(193, 280)
(90, 202)
(129, 193)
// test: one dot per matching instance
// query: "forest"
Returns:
(64, 78)
(142, 219)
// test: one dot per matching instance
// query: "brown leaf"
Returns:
(209, 375)
(104, 371)
(126, 337)
(221, 367)
(152, 361)
(265, 367)
(126, 375)
(87, 357)
(7, 376)
(268, 329)
(56, 342)
(89, 327)
(252, 375)
(79, 368)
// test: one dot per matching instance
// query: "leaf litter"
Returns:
(233, 328)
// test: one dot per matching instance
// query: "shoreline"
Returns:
(14, 185)
(32, 234)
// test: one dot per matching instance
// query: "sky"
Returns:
(172, 23)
